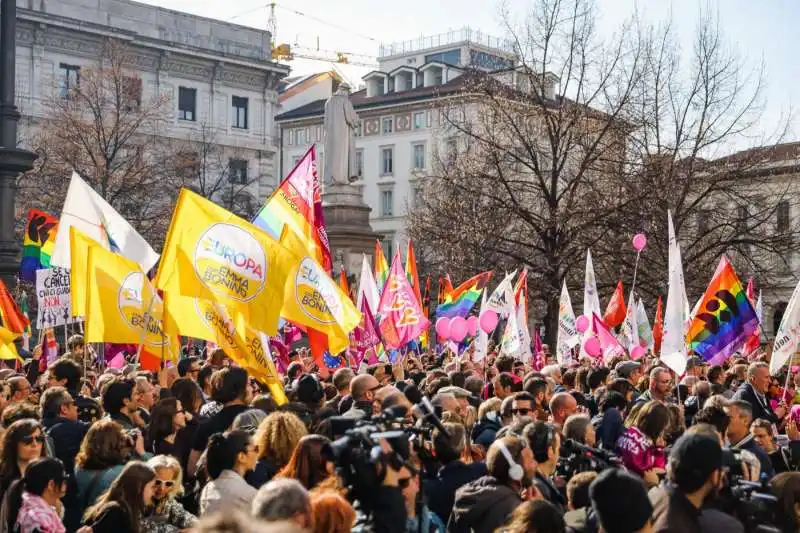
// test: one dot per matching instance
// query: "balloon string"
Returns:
(635, 270)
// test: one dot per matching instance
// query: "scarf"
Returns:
(36, 514)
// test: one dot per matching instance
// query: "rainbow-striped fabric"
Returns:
(725, 317)
(381, 267)
(459, 301)
(37, 244)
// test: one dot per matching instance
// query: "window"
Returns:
(419, 120)
(387, 203)
(783, 216)
(360, 163)
(239, 110)
(290, 137)
(386, 125)
(237, 171)
(187, 103)
(418, 151)
(70, 77)
(387, 164)
(452, 57)
(318, 133)
(437, 76)
(387, 243)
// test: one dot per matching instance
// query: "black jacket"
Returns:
(760, 405)
(66, 437)
(441, 488)
(482, 506)
(485, 430)
(550, 492)
(749, 444)
(388, 512)
(673, 512)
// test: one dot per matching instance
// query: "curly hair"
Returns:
(105, 445)
(278, 435)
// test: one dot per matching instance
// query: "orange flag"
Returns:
(658, 328)
(615, 310)
(11, 317)
(343, 283)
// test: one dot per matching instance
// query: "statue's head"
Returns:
(344, 88)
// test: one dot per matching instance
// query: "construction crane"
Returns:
(287, 52)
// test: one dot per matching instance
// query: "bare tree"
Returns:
(102, 127)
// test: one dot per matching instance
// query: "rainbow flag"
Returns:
(459, 301)
(381, 268)
(411, 271)
(725, 317)
(38, 243)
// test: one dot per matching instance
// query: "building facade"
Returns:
(218, 77)
(401, 130)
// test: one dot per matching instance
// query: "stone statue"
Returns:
(340, 138)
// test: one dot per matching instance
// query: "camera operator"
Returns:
(786, 488)
(545, 442)
(362, 390)
(783, 458)
(453, 474)
(739, 436)
(485, 504)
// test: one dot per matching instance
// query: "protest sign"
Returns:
(53, 294)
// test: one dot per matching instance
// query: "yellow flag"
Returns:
(122, 305)
(79, 243)
(209, 321)
(214, 255)
(8, 350)
(313, 299)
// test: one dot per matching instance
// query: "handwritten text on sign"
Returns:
(52, 293)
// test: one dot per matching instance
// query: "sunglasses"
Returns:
(180, 411)
(521, 411)
(168, 484)
(403, 483)
(30, 439)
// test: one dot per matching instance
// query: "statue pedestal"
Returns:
(347, 219)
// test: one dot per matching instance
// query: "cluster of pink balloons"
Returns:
(458, 328)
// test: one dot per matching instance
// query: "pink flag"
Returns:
(291, 334)
(538, 356)
(401, 316)
(609, 344)
(118, 361)
(282, 361)
(365, 338)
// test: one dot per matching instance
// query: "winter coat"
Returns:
(638, 453)
(485, 430)
(482, 506)
(441, 489)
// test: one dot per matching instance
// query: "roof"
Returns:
(360, 101)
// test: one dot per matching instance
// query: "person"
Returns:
(630, 371)
(120, 509)
(341, 380)
(277, 437)
(234, 394)
(696, 366)
(504, 385)
(641, 447)
(544, 441)
(783, 458)
(739, 436)
(754, 391)
(522, 405)
(44, 484)
(230, 457)
(539, 516)
(188, 394)
(166, 515)
(102, 457)
(331, 513)
(66, 373)
(419, 517)
(23, 443)
(694, 475)
(580, 429)
(620, 503)
(189, 367)
(166, 420)
(485, 504)
(453, 473)
(362, 391)
(489, 423)
(554, 372)
(283, 499)
(308, 465)
(786, 489)
(145, 397)
(659, 387)
(562, 406)
(537, 389)
(20, 388)
(578, 501)
(120, 403)
(76, 348)
(237, 521)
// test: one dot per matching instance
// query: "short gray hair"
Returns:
(753, 368)
(575, 427)
(551, 370)
(281, 499)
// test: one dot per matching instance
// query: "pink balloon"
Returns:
(488, 321)
(592, 347)
(638, 352)
(472, 326)
(443, 328)
(582, 324)
(458, 329)
(639, 242)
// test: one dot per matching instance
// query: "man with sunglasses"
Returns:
(522, 406)
(362, 390)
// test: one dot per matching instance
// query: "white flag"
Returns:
(786, 338)
(673, 345)
(630, 327)
(501, 300)
(482, 339)
(511, 343)
(367, 288)
(645, 331)
(591, 301)
(568, 336)
(524, 335)
(90, 213)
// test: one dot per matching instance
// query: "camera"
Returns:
(576, 457)
(754, 506)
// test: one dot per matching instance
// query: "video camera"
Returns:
(754, 506)
(577, 457)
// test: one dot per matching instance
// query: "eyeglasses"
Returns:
(180, 411)
(168, 484)
(403, 483)
(376, 387)
(30, 439)
(521, 411)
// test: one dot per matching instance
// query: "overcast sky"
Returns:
(765, 29)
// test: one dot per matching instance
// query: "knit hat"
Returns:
(620, 501)
(309, 389)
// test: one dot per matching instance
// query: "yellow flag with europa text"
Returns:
(79, 243)
(202, 319)
(212, 254)
(122, 306)
(314, 300)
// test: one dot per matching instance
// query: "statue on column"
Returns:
(340, 125)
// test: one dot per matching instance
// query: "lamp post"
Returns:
(13, 160)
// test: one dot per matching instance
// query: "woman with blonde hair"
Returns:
(167, 515)
(277, 437)
(331, 513)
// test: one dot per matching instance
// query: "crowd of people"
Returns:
(623, 447)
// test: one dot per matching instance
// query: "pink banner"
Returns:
(609, 344)
(401, 317)
(365, 338)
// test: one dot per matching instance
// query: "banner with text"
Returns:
(52, 292)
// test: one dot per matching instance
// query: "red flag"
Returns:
(521, 291)
(11, 317)
(658, 328)
(343, 283)
(615, 310)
